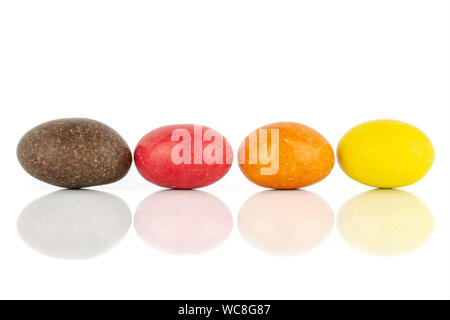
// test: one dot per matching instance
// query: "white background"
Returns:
(232, 65)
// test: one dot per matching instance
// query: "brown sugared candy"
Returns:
(74, 153)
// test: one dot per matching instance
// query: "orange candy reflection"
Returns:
(285, 223)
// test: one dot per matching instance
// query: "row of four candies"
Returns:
(77, 153)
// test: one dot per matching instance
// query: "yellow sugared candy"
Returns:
(385, 154)
(385, 222)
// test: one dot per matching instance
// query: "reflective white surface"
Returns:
(283, 240)
(74, 224)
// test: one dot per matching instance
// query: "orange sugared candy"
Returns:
(285, 155)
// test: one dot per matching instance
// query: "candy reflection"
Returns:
(287, 222)
(183, 221)
(385, 222)
(74, 224)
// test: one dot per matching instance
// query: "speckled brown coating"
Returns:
(74, 153)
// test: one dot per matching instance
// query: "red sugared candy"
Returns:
(184, 156)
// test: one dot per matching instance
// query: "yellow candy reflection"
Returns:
(385, 222)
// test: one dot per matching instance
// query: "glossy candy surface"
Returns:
(386, 154)
(74, 153)
(183, 156)
(285, 155)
